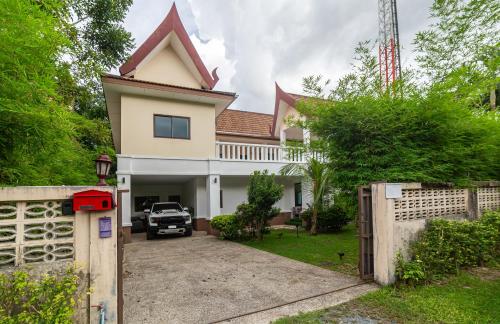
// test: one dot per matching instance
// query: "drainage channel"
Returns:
(289, 303)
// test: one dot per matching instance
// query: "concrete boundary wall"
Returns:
(401, 212)
(36, 237)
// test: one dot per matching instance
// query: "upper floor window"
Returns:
(171, 127)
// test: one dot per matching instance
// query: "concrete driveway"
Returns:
(201, 279)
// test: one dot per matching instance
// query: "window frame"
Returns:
(172, 127)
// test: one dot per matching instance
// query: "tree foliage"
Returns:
(431, 130)
(460, 49)
(97, 43)
(263, 193)
(42, 141)
(421, 138)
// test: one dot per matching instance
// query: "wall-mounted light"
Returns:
(215, 180)
(102, 166)
(123, 180)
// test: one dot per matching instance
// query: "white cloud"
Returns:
(257, 42)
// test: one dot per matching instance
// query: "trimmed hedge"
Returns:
(447, 246)
(230, 227)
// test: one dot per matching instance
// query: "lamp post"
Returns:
(102, 166)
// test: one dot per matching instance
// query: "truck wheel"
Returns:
(150, 235)
(188, 232)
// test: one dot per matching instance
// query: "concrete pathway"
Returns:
(201, 279)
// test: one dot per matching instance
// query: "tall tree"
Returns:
(97, 43)
(319, 175)
(460, 49)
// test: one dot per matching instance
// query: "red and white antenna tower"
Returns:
(388, 51)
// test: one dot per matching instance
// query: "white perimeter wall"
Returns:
(234, 191)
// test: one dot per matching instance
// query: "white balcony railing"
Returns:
(259, 152)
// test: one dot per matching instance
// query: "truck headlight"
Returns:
(187, 219)
(153, 220)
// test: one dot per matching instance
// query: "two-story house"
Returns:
(177, 140)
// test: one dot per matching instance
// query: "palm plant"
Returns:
(320, 176)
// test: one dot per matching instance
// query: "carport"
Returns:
(188, 190)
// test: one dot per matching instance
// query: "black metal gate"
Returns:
(365, 231)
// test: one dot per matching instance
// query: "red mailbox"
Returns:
(93, 200)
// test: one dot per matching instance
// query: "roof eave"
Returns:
(280, 96)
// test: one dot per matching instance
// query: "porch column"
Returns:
(124, 184)
(306, 139)
(306, 136)
(282, 150)
(213, 195)
(282, 137)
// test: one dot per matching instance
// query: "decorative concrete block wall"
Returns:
(401, 212)
(35, 236)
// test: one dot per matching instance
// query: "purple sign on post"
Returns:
(104, 227)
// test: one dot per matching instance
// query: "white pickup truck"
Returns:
(167, 218)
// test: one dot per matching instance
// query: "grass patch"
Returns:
(470, 297)
(321, 250)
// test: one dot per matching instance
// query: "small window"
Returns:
(171, 127)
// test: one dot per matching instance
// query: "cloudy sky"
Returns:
(257, 42)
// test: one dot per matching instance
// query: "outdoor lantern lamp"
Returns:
(102, 166)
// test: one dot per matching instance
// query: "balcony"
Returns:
(260, 153)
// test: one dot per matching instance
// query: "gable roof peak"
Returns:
(171, 23)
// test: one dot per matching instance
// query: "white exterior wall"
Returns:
(234, 192)
(188, 195)
(201, 210)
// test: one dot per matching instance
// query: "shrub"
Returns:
(409, 272)
(263, 192)
(446, 246)
(294, 221)
(230, 227)
(492, 220)
(49, 299)
(330, 219)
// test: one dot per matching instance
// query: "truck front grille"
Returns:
(173, 220)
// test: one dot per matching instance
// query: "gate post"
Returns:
(383, 236)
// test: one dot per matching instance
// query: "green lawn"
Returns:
(321, 250)
(467, 298)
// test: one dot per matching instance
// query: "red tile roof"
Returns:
(237, 122)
